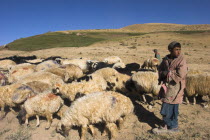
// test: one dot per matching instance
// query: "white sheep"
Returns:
(197, 84)
(19, 71)
(74, 89)
(118, 65)
(151, 63)
(42, 76)
(15, 94)
(72, 72)
(46, 65)
(6, 93)
(106, 72)
(82, 63)
(6, 64)
(90, 110)
(25, 91)
(115, 80)
(112, 59)
(120, 83)
(45, 105)
(142, 83)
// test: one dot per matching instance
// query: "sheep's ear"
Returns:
(56, 90)
(117, 79)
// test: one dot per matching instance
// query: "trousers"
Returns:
(170, 114)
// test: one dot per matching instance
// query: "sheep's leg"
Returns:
(207, 103)
(105, 131)
(49, 120)
(120, 122)
(194, 100)
(83, 132)
(2, 112)
(13, 111)
(26, 121)
(37, 121)
(144, 98)
(92, 129)
(187, 100)
(113, 129)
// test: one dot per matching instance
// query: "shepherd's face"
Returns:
(175, 52)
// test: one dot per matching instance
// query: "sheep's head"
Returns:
(92, 64)
(21, 94)
(67, 77)
(105, 61)
(58, 60)
(56, 88)
(62, 129)
(21, 115)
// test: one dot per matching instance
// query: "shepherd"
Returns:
(172, 74)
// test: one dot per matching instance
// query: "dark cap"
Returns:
(173, 45)
(155, 50)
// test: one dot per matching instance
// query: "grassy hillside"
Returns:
(59, 39)
(80, 38)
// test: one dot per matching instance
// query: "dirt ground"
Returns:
(193, 119)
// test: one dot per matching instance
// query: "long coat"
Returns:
(173, 83)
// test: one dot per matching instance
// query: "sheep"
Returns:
(115, 80)
(42, 76)
(106, 72)
(24, 91)
(57, 71)
(96, 65)
(46, 65)
(45, 104)
(112, 60)
(151, 63)
(88, 110)
(142, 83)
(5, 64)
(15, 94)
(72, 73)
(118, 65)
(18, 71)
(197, 84)
(82, 63)
(73, 90)
(120, 83)
(6, 93)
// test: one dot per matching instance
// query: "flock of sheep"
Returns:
(82, 92)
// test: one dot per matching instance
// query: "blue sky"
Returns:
(24, 18)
